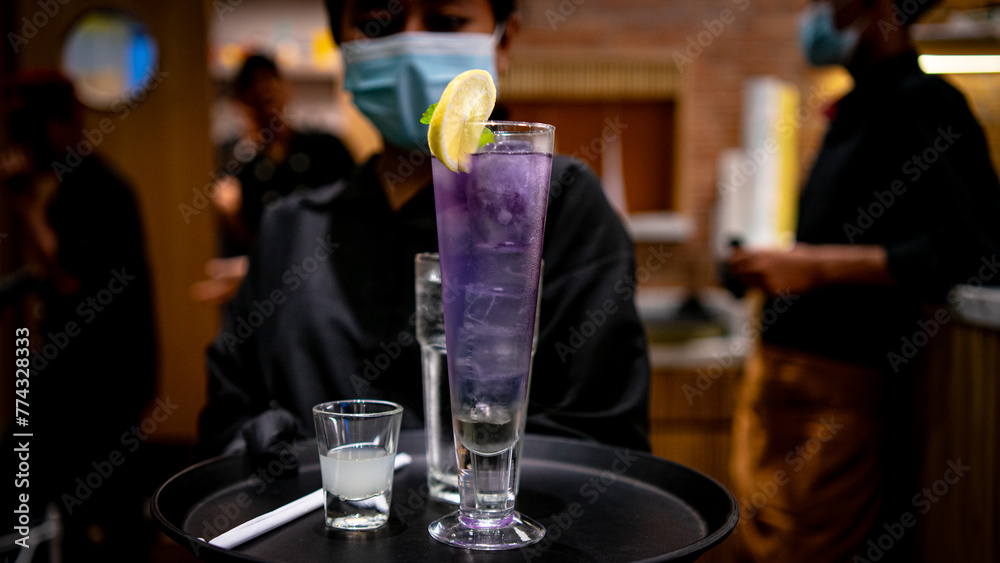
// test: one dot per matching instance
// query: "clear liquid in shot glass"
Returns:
(357, 479)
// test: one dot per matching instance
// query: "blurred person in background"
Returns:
(270, 160)
(901, 203)
(330, 289)
(93, 358)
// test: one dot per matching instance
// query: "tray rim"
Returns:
(179, 535)
(712, 538)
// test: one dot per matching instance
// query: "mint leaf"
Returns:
(426, 117)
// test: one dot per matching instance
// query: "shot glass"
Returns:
(442, 461)
(357, 450)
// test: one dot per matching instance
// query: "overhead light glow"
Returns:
(960, 64)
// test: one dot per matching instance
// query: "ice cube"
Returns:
(499, 197)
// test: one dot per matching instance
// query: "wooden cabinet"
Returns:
(694, 429)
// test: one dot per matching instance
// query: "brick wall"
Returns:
(717, 45)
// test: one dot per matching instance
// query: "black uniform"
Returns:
(904, 165)
(326, 312)
(314, 159)
(93, 369)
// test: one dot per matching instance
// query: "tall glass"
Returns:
(491, 221)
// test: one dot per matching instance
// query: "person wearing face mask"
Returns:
(900, 204)
(327, 308)
(271, 159)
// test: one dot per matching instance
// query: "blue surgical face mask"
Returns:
(821, 42)
(394, 78)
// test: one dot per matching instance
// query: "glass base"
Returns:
(519, 531)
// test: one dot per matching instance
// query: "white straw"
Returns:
(279, 516)
(269, 521)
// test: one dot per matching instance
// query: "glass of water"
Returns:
(442, 461)
(357, 451)
(442, 465)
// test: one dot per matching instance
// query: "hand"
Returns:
(30, 195)
(795, 271)
(227, 196)
(807, 267)
(225, 276)
(15, 177)
(30, 191)
(13, 162)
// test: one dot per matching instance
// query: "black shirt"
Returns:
(102, 245)
(904, 165)
(314, 159)
(94, 367)
(326, 312)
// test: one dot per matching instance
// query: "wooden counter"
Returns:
(958, 420)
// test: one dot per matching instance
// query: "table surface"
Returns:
(597, 503)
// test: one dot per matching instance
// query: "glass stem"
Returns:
(486, 488)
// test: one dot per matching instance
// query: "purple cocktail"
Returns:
(491, 221)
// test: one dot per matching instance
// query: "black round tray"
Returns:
(596, 502)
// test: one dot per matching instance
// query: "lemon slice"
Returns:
(470, 96)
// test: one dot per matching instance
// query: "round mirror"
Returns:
(110, 56)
